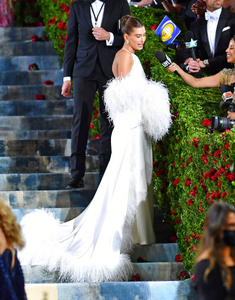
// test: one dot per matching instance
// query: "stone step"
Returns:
(36, 122)
(17, 92)
(42, 164)
(22, 186)
(19, 33)
(34, 134)
(22, 63)
(155, 252)
(31, 77)
(26, 48)
(160, 290)
(48, 147)
(147, 271)
(36, 108)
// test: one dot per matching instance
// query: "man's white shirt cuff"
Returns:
(155, 2)
(67, 78)
(110, 41)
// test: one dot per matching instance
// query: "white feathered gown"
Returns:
(93, 247)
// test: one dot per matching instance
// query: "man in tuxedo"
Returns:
(213, 33)
(93, 38)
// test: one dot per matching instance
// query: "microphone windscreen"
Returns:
(188, 36)
(160, 56)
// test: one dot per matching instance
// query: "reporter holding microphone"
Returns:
(224, 77)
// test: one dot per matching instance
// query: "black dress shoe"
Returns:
(75, 183)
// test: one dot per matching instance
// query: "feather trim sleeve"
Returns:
(155, 110)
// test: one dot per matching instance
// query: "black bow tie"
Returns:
(91, 1)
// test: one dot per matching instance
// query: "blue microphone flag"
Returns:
(167, 31)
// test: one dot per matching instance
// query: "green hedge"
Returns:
(192, 168)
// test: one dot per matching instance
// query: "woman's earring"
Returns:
(127, 42)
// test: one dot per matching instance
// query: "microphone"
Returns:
(227, 96)
(190, 43)
(163, 58)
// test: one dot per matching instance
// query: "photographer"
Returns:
(224, 77)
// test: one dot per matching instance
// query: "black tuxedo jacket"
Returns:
(80, 61)
(225, 31)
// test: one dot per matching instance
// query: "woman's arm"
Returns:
(210, 81)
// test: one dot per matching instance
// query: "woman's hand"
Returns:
(231, 115)
(172, 68)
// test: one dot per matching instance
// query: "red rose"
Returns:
(187, 239)
(187, 182)
(140, 260)
(153, 27)
(178, 258)
(33, 67)
(206, 122)
(195, 142)
(189, 160)
(227, 146)
(224, 194)
(96, 137)
(183, 275)
(218, 153)
(136, 277)
(177, 220)
(61, 25)
(190, 202)
(91, 125)
(56, 1)
(62, 46)
(193, 277)
(206, 148)
(217, 194)
(201, 209)
(220, 184)
(173, 239)
(173, 212)
(35, 38)
(176, 181)
(40, 97)
(160, 172)
(204, 158)
(193, 248)
(49, 82)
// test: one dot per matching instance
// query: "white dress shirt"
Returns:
(212, 22)
(96, 5)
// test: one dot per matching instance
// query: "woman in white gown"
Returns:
(93, 246)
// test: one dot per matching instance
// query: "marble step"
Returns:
(34, 134)
(47, 147)
(24, 148)
(31, 77)
(18, 92)
(23, 186)
(26, 48)
(19, 33)
(22, 63)
(36, 108)
(158, 290)
(158, 271)
(36, 122)
(42, 164)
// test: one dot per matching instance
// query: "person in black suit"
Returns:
(93, 25)
(213, 33)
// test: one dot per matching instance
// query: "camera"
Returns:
(223, 123)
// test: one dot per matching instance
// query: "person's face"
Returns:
(136, 38)
(212, 5)
(231, 52)
(229, 222)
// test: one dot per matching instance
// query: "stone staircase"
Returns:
(34, 170)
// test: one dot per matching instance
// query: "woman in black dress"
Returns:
(215, 266)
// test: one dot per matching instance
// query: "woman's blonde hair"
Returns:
(9, 225)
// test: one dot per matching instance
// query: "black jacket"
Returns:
(80, 61)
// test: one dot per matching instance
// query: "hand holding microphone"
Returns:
(166, 61)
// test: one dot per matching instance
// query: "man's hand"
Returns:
(66, 89)
(194, 66)
(145, 2)
(199, 8)
(231, 115)
(187, 61)
(100, 34)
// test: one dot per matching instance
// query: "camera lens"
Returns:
(221, 123)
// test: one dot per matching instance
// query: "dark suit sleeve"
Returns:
(118, 37)
(71, 44)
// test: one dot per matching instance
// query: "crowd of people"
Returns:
(95, 245)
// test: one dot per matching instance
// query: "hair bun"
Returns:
(124, 19)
